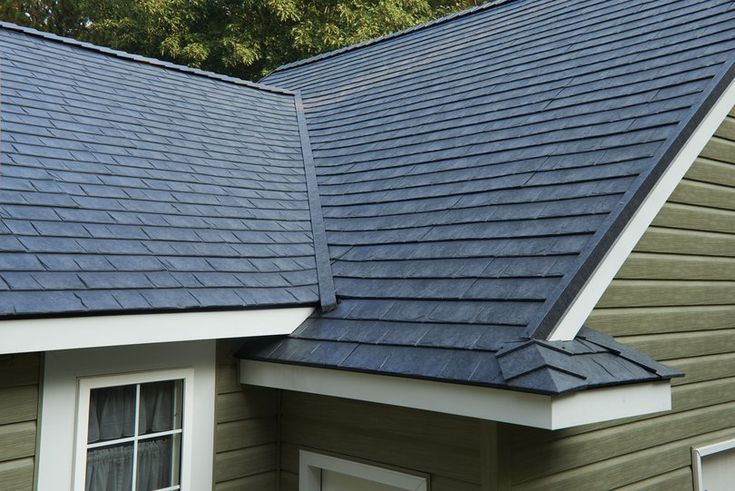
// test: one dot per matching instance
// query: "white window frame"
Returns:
(87, 384)
(65, 373)
(698, 453)
(311, 465)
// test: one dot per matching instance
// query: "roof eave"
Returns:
(60, 333)
(549, 412)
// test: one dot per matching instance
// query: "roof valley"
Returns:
(325, 279)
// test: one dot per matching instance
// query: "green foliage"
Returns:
(244, 38)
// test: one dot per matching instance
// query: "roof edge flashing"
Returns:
(501, 405)
(572, 318)
(142, 59)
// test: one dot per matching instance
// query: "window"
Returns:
(130, 435)
(319, 472)
(714, 466)
(128, 418)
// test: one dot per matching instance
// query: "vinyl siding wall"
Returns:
(19, 389)
(674, 299)
(455, 451)
(246, 433)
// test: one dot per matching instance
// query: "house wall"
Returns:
(456, 452)
(246, 432)
(19, 396)
(674, 299)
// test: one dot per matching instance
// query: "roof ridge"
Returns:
(142, 59)
(386, 37)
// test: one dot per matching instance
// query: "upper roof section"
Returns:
(128, 184)
(475, 171)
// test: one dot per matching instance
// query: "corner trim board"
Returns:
(506, 406)
(49, 334)
(580, 308)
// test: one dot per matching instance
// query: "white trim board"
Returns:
(506, 406)
(64, 372)
(586, 300)
(87, 384)
(57, 333)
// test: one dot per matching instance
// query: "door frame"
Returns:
(311, 465)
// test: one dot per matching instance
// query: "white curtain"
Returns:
(156, 407)
(111, 413)
(112, 416)
(154, 464)
(110, 468)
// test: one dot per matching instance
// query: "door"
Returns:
(335, 481)
(718, 471)
(319, 472)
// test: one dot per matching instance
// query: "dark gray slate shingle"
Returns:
(127, 186)
(474, 171)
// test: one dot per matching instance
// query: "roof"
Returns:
(455, 184)
(133, 185)
(473, 173)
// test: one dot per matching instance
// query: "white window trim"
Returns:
(61, 333)
(698, 453)
(312, 464)
(86, 384)
(586, 300)
(506, 406)
(65, 370)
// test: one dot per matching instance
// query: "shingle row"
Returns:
(469, 168)
(125, 186)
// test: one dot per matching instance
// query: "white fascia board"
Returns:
(58, 333)
(581, 307)
(506, 406)
(605, 404)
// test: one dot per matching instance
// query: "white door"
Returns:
(335, 481)
(718, 471)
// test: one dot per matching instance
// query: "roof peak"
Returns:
(142, 59)
(392, 35)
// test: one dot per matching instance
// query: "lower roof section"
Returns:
(491, 356)
(507, 406)
(60, 333)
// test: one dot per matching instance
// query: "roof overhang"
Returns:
(57, 333)
(585, 301)
(507, 406)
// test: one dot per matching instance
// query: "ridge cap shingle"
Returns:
(386, 37)
(142, 59)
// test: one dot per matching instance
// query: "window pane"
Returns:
(160, 406)
(158, 462)
(110, 468)
(111, 413)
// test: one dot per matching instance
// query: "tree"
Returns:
(243, 38)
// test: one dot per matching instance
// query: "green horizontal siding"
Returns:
(451, 449)
(246, 430)
(674, 299)
(19, 394)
